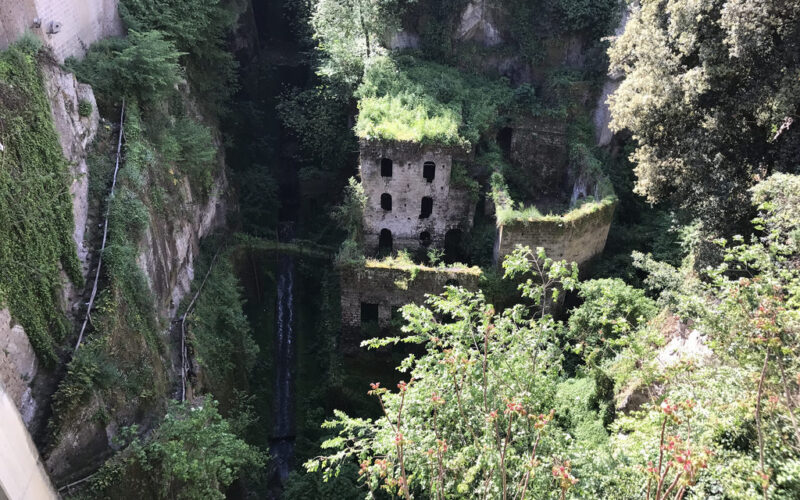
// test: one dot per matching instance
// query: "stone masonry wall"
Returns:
(390, 287)
(80, 23)
(452, 206)
(574, 241)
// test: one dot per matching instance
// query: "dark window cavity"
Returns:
(453, 251)
(385, 241)
(429, 171)
(386, 167)
(425, 238)
(427, 207)
(386, 202)
(369, 313)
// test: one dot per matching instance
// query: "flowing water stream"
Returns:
(282, 448)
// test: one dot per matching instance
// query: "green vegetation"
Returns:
(219, 334)
(489, 409)
(407, 99)
(193, 453)
(709, 91)
(35, 207)
(142, 66)
(507, 212)
(84, 108)
(197, 28)
(611, 311)
(350, 216)
(121, 359)
(349, 33)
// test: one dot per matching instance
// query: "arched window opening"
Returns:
(427, 207)
(429, 171)
(386, 202)
(425, 238)
(385, 242)
(386, 167)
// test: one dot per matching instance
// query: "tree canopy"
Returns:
(710, 92)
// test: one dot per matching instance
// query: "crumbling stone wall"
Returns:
(539, 153)
(576, 241)
(391, 287)
(67, 26)
(453, 207)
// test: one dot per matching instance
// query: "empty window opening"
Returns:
(429, 171)
(453, 250)
(427, 207)
(425, 238)
(386, 201)
(369, 313)
(385, 241)
(452, 282)
(386, 167)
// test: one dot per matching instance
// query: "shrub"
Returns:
(192, 454)
(610, 312)
(144, 65)
(412, 100)
(196, 152)
(198, 29)
(84, 108)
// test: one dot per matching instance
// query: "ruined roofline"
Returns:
(375, 147)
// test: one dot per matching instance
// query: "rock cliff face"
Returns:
(602, 115)
(18, 364)
(169, 247)
(166, 255)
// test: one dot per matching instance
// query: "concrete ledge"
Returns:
(22, 475)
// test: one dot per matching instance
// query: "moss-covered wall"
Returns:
(572, 238)
(36, 225)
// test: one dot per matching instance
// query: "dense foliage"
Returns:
(350, 32)
(35, 206)
(219, 334)
(488, 409)
(710, 94)
(199, 29)
(143, 65)
(406, 99)
(192, 454)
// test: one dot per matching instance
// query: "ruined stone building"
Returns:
(412, 202)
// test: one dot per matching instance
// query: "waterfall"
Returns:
(282, 449)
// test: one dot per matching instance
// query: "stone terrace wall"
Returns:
(373, 284)
(574, 241)
(452, 206)
(82, 22)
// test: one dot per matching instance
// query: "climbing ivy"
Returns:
(36, 222)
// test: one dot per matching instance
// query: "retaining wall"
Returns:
(578, 240)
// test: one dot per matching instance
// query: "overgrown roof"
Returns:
(406, 99)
